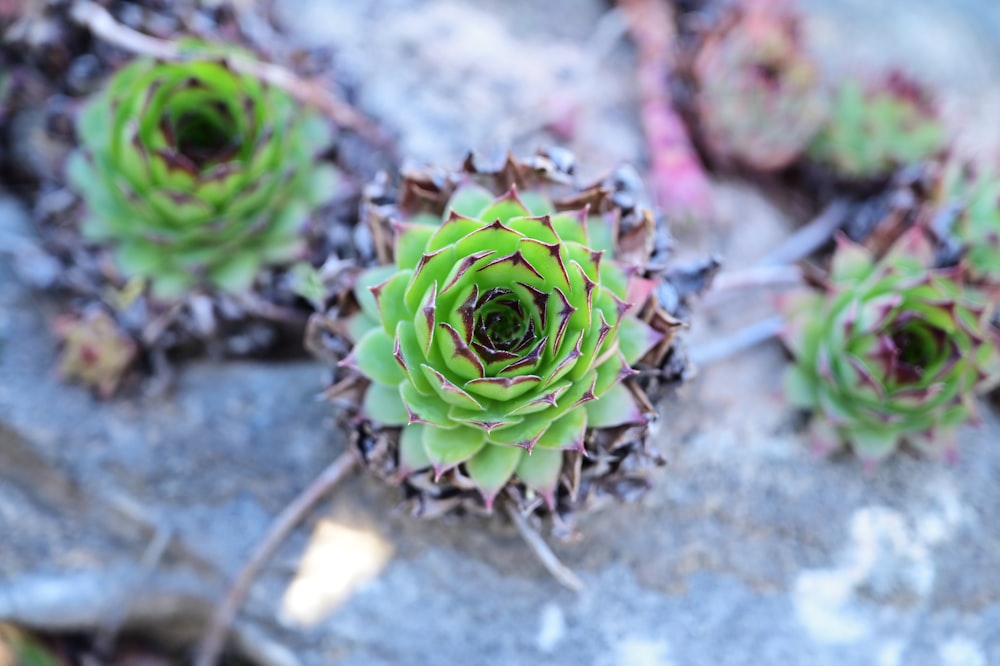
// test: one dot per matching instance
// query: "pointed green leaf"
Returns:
(539, 228)
(536, 202)
(362, 288)
(614, 408)
(427, 407)
(411, 356)
(550, 398)
(492, 467)
(504, 209)
(636, 338)
(459, 358)
(359, 324)
(237, 274)
(523, 434)
(446, 448)
(566, 432)
(412, 455)
(451, 231)
(872, 445)
(540, 470)
(141, 258)
(470, 200)
(425, 319)
(448, 390)
(503, 388)
(383, 404)
(430, 270)
(389, 299)
(613, 277)
(600, 234)
(851, 262)
(372, 356)
(411, 244)
(798, 388)
(571, 226)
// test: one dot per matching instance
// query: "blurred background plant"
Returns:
(969, 201)
(758, 91)
(878, 127)
(197, 175)
(889, 350)
(206, 171)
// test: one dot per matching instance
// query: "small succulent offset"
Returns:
(197, 174)
(759, 96)
(875, 130)
(890, 352)
(497, 338)
(95, 351)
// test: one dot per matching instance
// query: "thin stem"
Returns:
(277, 532)
(776, 268)
(100, 22)
(809, 238)
(766, 275)
(559, 571)
(743, 339)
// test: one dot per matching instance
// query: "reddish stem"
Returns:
(679, 182)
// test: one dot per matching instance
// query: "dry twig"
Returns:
(750, 336)
(559, 571)
(777, 268)
(766, 275)
(810, 237)
(292, 515)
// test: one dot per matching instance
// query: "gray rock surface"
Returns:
(748, 551)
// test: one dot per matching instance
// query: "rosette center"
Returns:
(204, 136)
(501, 322)
(919, 346)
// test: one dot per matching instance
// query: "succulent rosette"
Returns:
(96, 352)
(196, 174)
(759, 94)
(500, 335)
(891, 351)
(877, 128)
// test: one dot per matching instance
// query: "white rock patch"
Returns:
(887, 555)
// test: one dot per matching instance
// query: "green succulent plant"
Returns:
(499, 335)
(760, 101)
(197, 174)
(873, 131)
(891, 351)
(977, 225)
